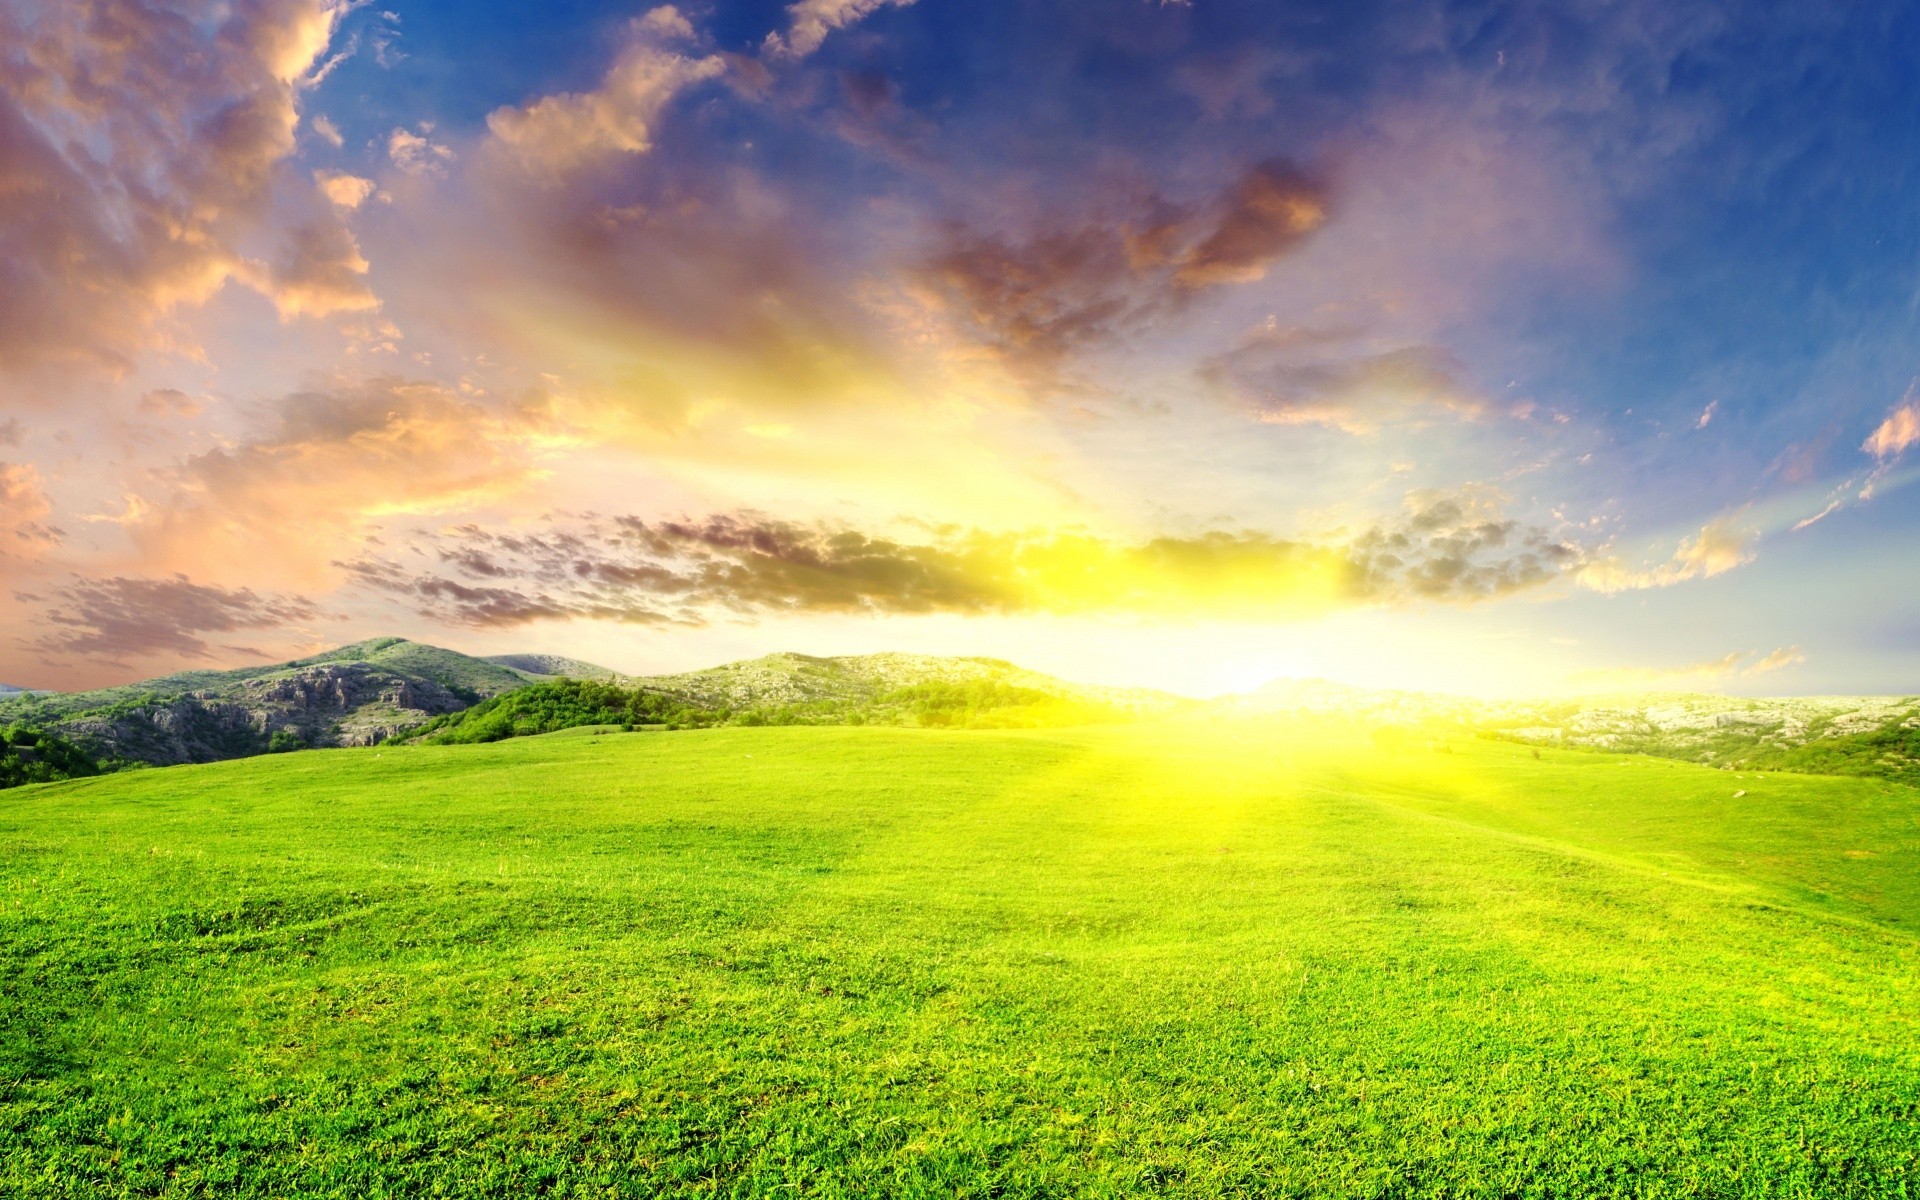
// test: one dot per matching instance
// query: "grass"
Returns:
(1185, 960)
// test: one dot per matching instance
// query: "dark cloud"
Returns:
(1303, 376)
(117, 619)
(1455, 548)
(1039, 299)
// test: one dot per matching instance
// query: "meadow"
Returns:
(1190, 959)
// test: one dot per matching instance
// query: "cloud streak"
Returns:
(1449, 548)
(118, 619)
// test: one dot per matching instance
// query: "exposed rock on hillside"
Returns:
(354, 696)
(785, 679)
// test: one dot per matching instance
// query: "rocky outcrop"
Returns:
(312, 704)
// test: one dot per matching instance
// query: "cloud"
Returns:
(10, 432)
(1455, 546)
(321, 272)
(1304, 376)
(328, 131)
(416, 155)
(343, 190)
(1267, 213)
(24, 507)
(1039, 299)
(1892, 436)
(1720, 546)
(810, 21)
(1706, 414)
(561, 133)
(169, 402)
(139, 147)
(1451, 548)
(1780, 659)
(328, 462)
(1743, 664)
(117, 619)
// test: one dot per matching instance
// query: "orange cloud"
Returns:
(24, 508)
(330, 465)
(1720, 546)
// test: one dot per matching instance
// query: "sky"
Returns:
(1493, 348)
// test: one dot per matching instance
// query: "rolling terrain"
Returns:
(1195, 958)
(391, 688)
(354, 695)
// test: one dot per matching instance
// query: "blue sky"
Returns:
(1492, 347)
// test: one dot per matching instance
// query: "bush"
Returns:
(31, 756)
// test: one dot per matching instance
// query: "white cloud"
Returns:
(1719, 547)
(564, 132)
(416, 155)
(1892, 436)
(810, 21)
(343, 190)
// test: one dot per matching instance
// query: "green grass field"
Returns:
(1185, 960)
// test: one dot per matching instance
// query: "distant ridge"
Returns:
(786, 678)
(552, 666)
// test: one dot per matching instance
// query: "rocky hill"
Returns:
(1869, 735)
(793, 680)
(355, 695)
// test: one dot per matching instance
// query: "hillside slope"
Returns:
(863, 679)
(551, 666)
(354, 695)
(1207, 959)
(795, 689)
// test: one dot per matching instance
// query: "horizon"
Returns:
(1487, 352)
(1272, 682)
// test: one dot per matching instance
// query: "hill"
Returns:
(861, 680)
(355, 695)
(1851, 735)
(1211, 958)
(551, 666)
(795, 689)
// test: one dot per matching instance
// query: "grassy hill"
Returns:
(1197, 959)
(355, 695)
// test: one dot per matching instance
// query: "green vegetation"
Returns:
(30, 756)
(560, 704)
(1236, 958)
(1890, 752)
(574, 703)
